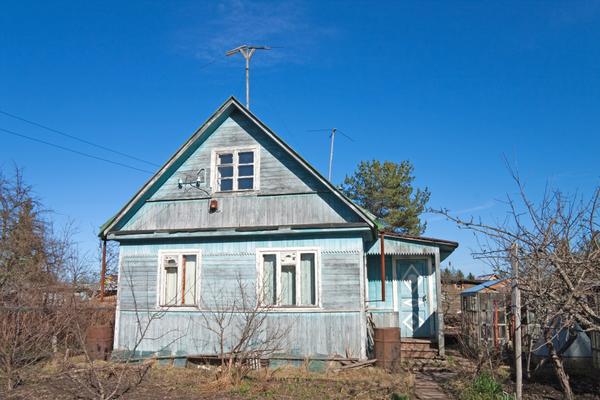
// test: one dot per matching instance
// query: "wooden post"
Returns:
(382, 249)
(516, 300)
(439, 304)
(496, 326)
(103, 270)
(183, 282)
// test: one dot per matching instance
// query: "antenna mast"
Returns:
(331, 143)
(247, 51)
(333, 130)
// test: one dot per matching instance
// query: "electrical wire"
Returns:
(81, 153)
(77, 138)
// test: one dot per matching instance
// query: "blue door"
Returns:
(412, 278)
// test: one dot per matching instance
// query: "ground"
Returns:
(449, 379)
(286, 383)
(460, 375)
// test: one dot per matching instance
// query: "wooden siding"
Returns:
(184, 333)
(240, 211)
(336, 327)
(288, 193)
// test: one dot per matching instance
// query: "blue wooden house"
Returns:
(236, 201)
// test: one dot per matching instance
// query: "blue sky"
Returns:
(454, 87)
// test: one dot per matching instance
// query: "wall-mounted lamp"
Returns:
(213, 206)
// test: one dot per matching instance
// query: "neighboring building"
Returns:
(451, 291)
(236, 202)
(485, 313)
(487, 277)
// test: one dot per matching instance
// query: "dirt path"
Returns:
(427, 388)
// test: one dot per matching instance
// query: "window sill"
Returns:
(221, 192)
(274, 309)
(179, 307)
(294, 308)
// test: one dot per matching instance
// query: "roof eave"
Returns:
(111, 223)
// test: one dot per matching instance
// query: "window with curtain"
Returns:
(289, 278)
(179, 279)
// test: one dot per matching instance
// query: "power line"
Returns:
(73, 151)
(77, 138)
(329, 130)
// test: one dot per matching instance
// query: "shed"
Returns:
(485, 310)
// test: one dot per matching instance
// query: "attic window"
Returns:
(236, 170)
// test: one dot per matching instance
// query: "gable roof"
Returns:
(230, 105)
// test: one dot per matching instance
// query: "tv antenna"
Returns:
(331, 143)
(247, 51)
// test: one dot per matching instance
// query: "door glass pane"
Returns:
(170, 264)
(270, 279)
(190, 279)
(245, 183)
(307, 279)
(246, 157)
(288, 285)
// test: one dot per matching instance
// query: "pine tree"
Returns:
(387, 191)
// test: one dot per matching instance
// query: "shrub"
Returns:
(485, 387)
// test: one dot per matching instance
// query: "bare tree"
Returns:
(559, 262)
(31, 296)
(239, 321)
(99, 380)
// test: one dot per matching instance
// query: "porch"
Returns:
(409, 297)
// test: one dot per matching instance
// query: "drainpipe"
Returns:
(382, 249)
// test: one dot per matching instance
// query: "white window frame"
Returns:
(161, 277)
(214, 173)
(260, 252)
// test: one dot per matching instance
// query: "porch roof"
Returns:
(401, 244)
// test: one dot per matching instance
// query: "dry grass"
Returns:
(165, 382)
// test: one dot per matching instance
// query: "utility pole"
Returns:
(247, 51)
(333, 130)
(516, 300)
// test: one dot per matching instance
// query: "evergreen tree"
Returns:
(387, 191)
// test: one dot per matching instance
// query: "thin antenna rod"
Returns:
(247, 51)
(331, 145)
(331, 152)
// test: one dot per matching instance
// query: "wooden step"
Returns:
(412, 348)
(419, 354)
(417, 344)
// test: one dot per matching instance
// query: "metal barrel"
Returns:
(387, 347)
